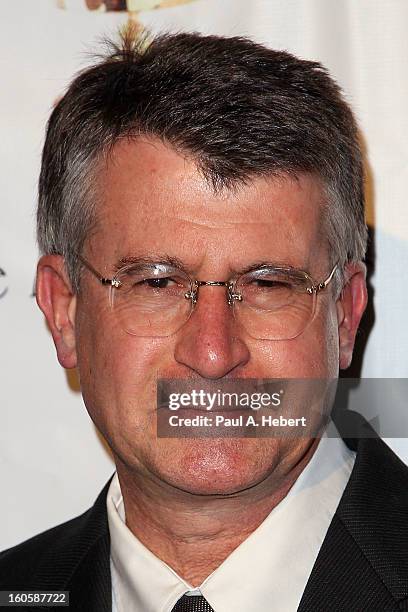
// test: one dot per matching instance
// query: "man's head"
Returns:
(220, 155)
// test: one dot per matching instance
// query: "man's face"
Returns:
(155, 203)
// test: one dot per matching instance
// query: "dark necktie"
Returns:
(192, 603)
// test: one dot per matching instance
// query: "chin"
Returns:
(219, 466)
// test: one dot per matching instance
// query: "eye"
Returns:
(271, 290)
(158, 286)
(159, 283)
(271, 284)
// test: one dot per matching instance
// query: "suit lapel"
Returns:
(363, 562)
(79, 562)
(90, 585)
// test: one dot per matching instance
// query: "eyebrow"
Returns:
(139, 262)
(149, 260)
(270, 264)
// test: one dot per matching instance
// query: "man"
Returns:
(201, 219)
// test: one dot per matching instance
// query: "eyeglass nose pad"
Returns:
(234, 297)
(191, 295)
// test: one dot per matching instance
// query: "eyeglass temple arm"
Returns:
(102, 279)
(324, 283)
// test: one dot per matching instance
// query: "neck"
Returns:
(194, 533)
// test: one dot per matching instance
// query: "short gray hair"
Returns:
(239, 109)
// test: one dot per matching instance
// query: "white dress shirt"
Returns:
(268, 571)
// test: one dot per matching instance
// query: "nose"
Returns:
(211, 343)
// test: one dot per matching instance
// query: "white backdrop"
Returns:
(52, 462)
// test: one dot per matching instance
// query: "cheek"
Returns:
(117, 372)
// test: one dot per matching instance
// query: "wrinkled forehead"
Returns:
(153, 198)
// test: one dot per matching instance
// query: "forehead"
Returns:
(154, 199)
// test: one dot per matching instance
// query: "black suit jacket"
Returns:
(361, 567)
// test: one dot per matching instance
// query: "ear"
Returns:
(350, 308)
(58, 303)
